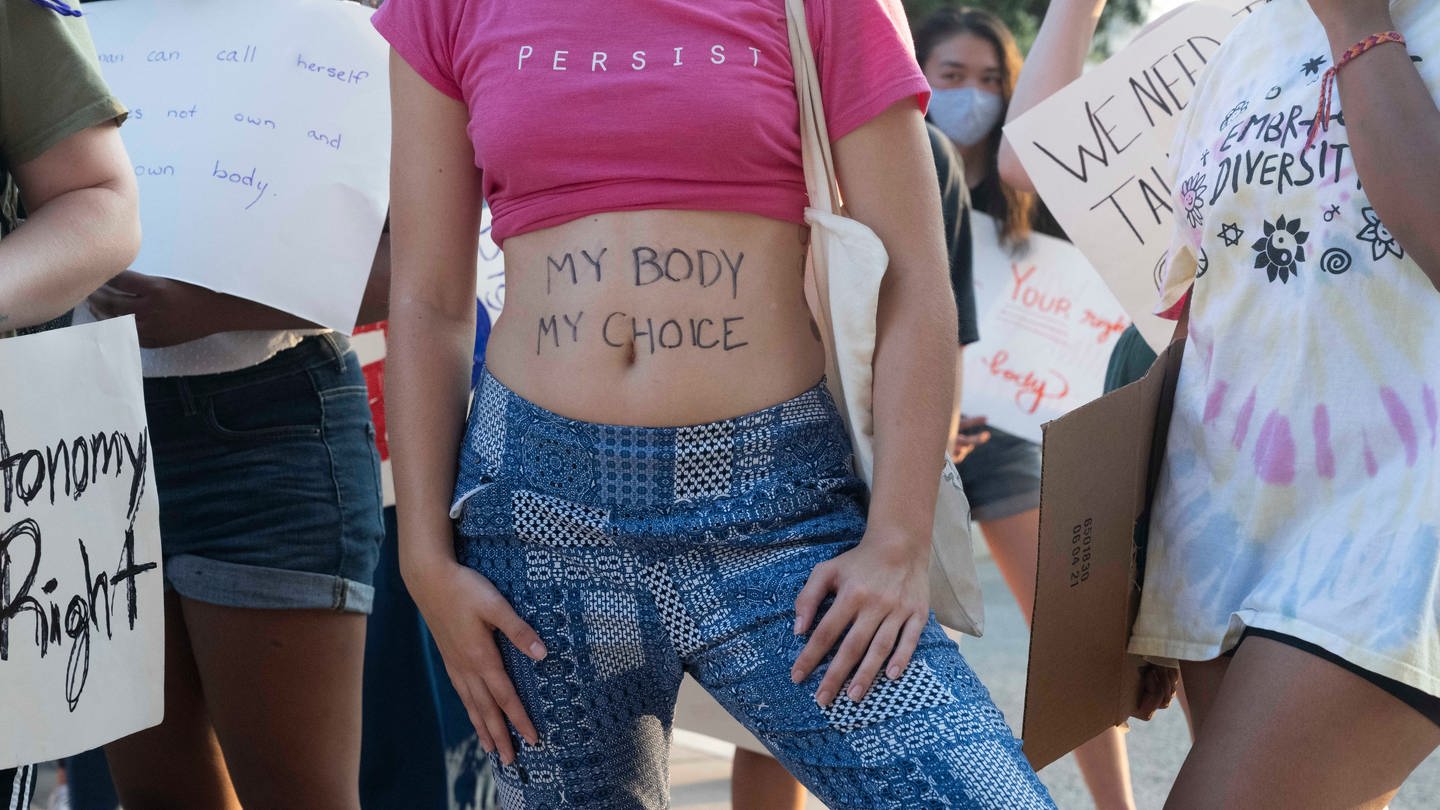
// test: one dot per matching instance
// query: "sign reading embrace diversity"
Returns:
(260, 135)
(1098, 153)
(81, 611)
(1047, 328)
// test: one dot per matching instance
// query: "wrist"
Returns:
(422, 571)
(1352, 22)
(903, 539)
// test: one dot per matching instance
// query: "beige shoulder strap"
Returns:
(820, 178)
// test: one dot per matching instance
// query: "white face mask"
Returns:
(965, 114)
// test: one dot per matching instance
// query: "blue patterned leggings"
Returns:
(640, 554)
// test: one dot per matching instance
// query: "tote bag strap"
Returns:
(820, 179)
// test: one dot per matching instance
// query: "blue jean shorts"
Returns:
(1001, 477)
(269, 481)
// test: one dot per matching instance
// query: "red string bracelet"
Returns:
(1327, 84)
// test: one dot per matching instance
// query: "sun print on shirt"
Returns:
(1382, 242)
(1281, 250)
(1192, 196)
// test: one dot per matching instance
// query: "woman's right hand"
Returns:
(464, 611)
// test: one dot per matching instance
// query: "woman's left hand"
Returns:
(881, 594)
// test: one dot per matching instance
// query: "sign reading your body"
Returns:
(1047, 327)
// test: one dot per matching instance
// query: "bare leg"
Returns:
(176, 765)
(1183, 695)
(760, 782)
(283, 691)
(1103, 762)
(1201, 686)
(1289, 729)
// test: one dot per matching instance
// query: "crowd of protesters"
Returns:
(579, 528)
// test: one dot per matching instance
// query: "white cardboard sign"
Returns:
(260, 135)
(1098, 153)
(82, 626)
(1047, 328)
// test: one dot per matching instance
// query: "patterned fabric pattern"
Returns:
(645, 553)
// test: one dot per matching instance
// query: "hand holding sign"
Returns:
(260, 136)
(81, 624)
(1097, 152)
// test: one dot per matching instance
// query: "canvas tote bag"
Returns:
(847, 263)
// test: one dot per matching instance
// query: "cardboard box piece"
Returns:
(1100, 466)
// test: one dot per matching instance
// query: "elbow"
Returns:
(1011, 170)
(117, 206)
(926, 310)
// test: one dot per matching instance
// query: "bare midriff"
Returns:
(656, 318)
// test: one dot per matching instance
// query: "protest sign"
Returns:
(1098, 153)
(260, 136)
(82, 654)
(1101, 462)
(1047, 328)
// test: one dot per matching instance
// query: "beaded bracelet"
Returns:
(1327, 84)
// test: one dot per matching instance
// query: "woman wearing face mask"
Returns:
(972, 62)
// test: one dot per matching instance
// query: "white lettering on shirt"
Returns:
(639, 60)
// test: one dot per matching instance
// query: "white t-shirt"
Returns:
(216, 354)
(1301, 487)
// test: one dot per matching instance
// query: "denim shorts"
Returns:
(642, 553)
(269, 481)
(1002, 477)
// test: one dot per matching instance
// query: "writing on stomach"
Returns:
(656, 318)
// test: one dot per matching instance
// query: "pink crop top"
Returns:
(624, 105)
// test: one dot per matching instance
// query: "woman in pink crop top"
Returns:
(652, 480)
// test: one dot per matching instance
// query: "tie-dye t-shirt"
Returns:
(1301, 487)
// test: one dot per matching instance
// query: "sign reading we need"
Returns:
(1098, 152)
(260, 134)
(1047, 328)
(81, 613)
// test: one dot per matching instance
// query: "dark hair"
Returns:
(1012, 208)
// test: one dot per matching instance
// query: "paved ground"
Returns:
(700, 768)
(1157, 748)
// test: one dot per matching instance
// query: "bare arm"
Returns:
(881, 603)
(1393, 126)
(435, 228)
(880, 166)
(83, 228)
(435, 194)
(1056, 59)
